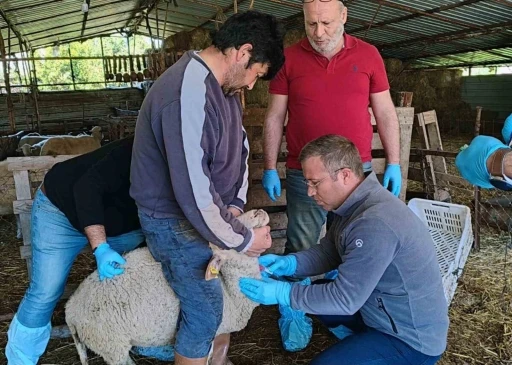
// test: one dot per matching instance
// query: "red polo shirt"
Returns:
(329, 97)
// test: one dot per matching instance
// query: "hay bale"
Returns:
(169, 42)
(181, 41)
(258, 96)
(200, 39)
(293, 36)
(445, 78)
(393, 66)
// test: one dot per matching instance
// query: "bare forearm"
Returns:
(389, 133)
(95, 234)
(273, 131)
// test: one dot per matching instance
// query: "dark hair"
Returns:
(263, 31)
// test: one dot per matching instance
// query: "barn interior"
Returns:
(68, 66)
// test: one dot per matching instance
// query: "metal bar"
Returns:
(371, 22)
(10, 24)
(449, 36)
(506, 45)
(413, 16)
(61, 58)
(424, 13)
(72, 70)
(459, 65)
(157, 26)
(150, 33)
(10, 105)
(63, 84)
(476, 244)
(165, 21)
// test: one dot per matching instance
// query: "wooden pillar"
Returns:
(33, 88)
(10, 105)
(476, 243)
(105, 72)
(71, 64)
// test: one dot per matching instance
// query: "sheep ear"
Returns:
(213, 269)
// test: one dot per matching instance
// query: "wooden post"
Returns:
(71, 64)
(476, 244)
(33, 87)
(104, 60)
(10, 105)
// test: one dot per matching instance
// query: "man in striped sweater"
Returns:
(189, 170)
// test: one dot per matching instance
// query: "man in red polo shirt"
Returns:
(326, 85)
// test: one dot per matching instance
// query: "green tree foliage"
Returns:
(54, 73)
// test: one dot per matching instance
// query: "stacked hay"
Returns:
(196, 39)
(439, 90)
(258, 96)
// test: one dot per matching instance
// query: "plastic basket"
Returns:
(450, 228)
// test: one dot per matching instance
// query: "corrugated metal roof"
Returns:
(428, 33)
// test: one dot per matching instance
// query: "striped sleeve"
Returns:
(190, 130)
(243, 181)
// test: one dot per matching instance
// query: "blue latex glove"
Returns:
(266, 291)
(162, 353)
(393, 175)
(472, 161)
(506, 131)
(271, 183)
(108, 261)
(279, 265)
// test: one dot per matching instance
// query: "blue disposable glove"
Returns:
(506, 131)
(108, 261)
(393, 175)
(271, 183)
(472, 161)
(279, 265)
(266, 291)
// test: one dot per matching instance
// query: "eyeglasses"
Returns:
(315, 184)
(323, 1)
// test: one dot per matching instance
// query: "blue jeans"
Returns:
(305, 216)
(367, 346)
(55, 246)
(184, 255)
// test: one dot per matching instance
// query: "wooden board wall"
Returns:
(71, 107)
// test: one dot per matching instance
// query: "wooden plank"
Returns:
(278, 221)
(22, 185)
(258, 198)
(35, 163)
(405, 150)
(376, 142)
(256, 170)
(379, 165)
(405, 115)
(22, 206)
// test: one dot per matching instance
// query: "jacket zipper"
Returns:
(381, 306)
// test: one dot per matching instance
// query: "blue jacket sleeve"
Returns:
(370, 247)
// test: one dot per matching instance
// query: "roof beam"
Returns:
(492, 49)
(225, 10)
(69, 13)
(424, 13)
(416, 15)
(13, 27)
(467, 64)
(450, 36)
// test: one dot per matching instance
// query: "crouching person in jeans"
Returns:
(189, 171)
(84, 199)
(387, 302)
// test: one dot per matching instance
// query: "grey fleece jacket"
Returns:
(387, 270)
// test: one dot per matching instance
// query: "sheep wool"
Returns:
(138, 308)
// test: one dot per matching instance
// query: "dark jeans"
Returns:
(184, 256)
(367, 346)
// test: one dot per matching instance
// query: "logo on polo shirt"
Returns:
(355, 68)
(359, 242)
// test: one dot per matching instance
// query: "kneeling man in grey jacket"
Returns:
(387, 303)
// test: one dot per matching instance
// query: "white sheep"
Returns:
(138, 308)
(64, 144)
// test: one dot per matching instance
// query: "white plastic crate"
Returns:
(450, 228)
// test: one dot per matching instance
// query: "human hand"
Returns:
(271, 183)
(108, 261)
(393, 175)
(266, 291)
(472, 161)
(262, 241)
(279, 265)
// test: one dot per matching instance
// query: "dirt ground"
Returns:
(480, 331)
